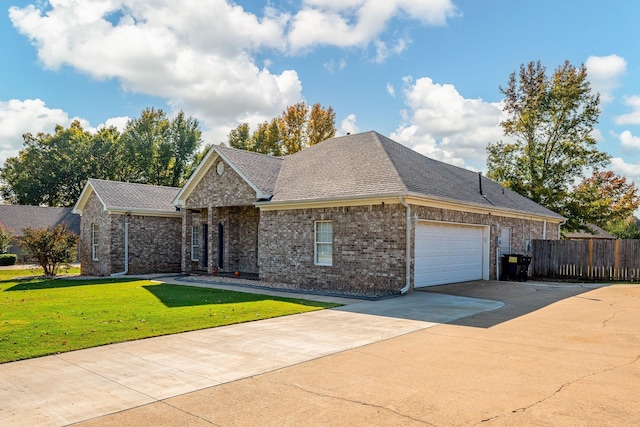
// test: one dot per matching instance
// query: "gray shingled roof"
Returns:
(18, 217)
(138, 197)
(261, 170)
(369, 164)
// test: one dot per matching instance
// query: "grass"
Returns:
(36, 271)
(47, 316)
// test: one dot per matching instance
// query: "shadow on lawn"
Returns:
(31, 284)
(185, 296)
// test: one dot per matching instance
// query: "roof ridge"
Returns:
(132, 183)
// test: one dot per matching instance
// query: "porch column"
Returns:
(185, 263)
(210, 240)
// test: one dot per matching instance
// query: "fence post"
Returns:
(616, 260)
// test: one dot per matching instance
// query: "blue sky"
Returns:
(426, 73)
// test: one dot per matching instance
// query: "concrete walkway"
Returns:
(554, 355)
(82, 385)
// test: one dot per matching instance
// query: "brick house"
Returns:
(357, 214)
(128, 228)
(18, 217)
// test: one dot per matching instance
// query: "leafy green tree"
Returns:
(52, 169)
(297, 128)
(49, 170)
(240, 137)
(51, 248)
(624, 229)
(550, 120)
(145, 143)
(600, 199)
(185, 138)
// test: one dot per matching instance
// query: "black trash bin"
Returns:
(515, 267)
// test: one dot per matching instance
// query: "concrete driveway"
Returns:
(552, 355)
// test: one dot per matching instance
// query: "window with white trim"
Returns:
(195, 243)
(94, 242)
(323, 243)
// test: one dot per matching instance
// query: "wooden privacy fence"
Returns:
(587, 259)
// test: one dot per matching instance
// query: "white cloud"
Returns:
(629, 170)
(29, 116)
(632, 118)
(629, 142)
(442, 124)
(604, 73)
(391, 90)
(170, 50)
(358, 22)
(348, 125)
(383, 51)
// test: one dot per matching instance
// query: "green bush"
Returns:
(8, 259)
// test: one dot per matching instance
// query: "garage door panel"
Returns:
(447, 254)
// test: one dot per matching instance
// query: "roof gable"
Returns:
(18, 217)
(259, 171)
(120, 197)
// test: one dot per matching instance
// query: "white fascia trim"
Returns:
(203, 168)
(259, 193)
(393, 198)
(84, 198)
(195, 177)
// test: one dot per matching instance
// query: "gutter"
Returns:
(126, 247)
(408, 248)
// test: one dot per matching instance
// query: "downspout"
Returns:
(408, 248)
(126, 247)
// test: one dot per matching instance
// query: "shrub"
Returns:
(8, 259)
(51, 248)
(6, 239)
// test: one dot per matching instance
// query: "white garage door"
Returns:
(447, 254)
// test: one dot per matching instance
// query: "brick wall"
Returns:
(368, 245)
(368, 249)
(154, 244)
(93, 213)
(228, 189)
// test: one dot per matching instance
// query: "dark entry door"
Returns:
(220, 245)
(205, 242)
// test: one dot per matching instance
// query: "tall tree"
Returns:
(321, 124)
(185, 138)
(297, 128)
(51, 169)
(550, 120)
(602, 198)
(145, 142)
(240, 137)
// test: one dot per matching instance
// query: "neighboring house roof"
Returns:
(359, 166)
(122, 197)
(597, 233)
(18, 217)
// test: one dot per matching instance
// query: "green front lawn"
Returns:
(40, 317)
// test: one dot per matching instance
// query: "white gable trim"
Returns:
(204, 166)
(84, 198)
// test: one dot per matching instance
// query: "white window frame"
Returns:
(94, 241)
(322, 240)
(195, 243)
